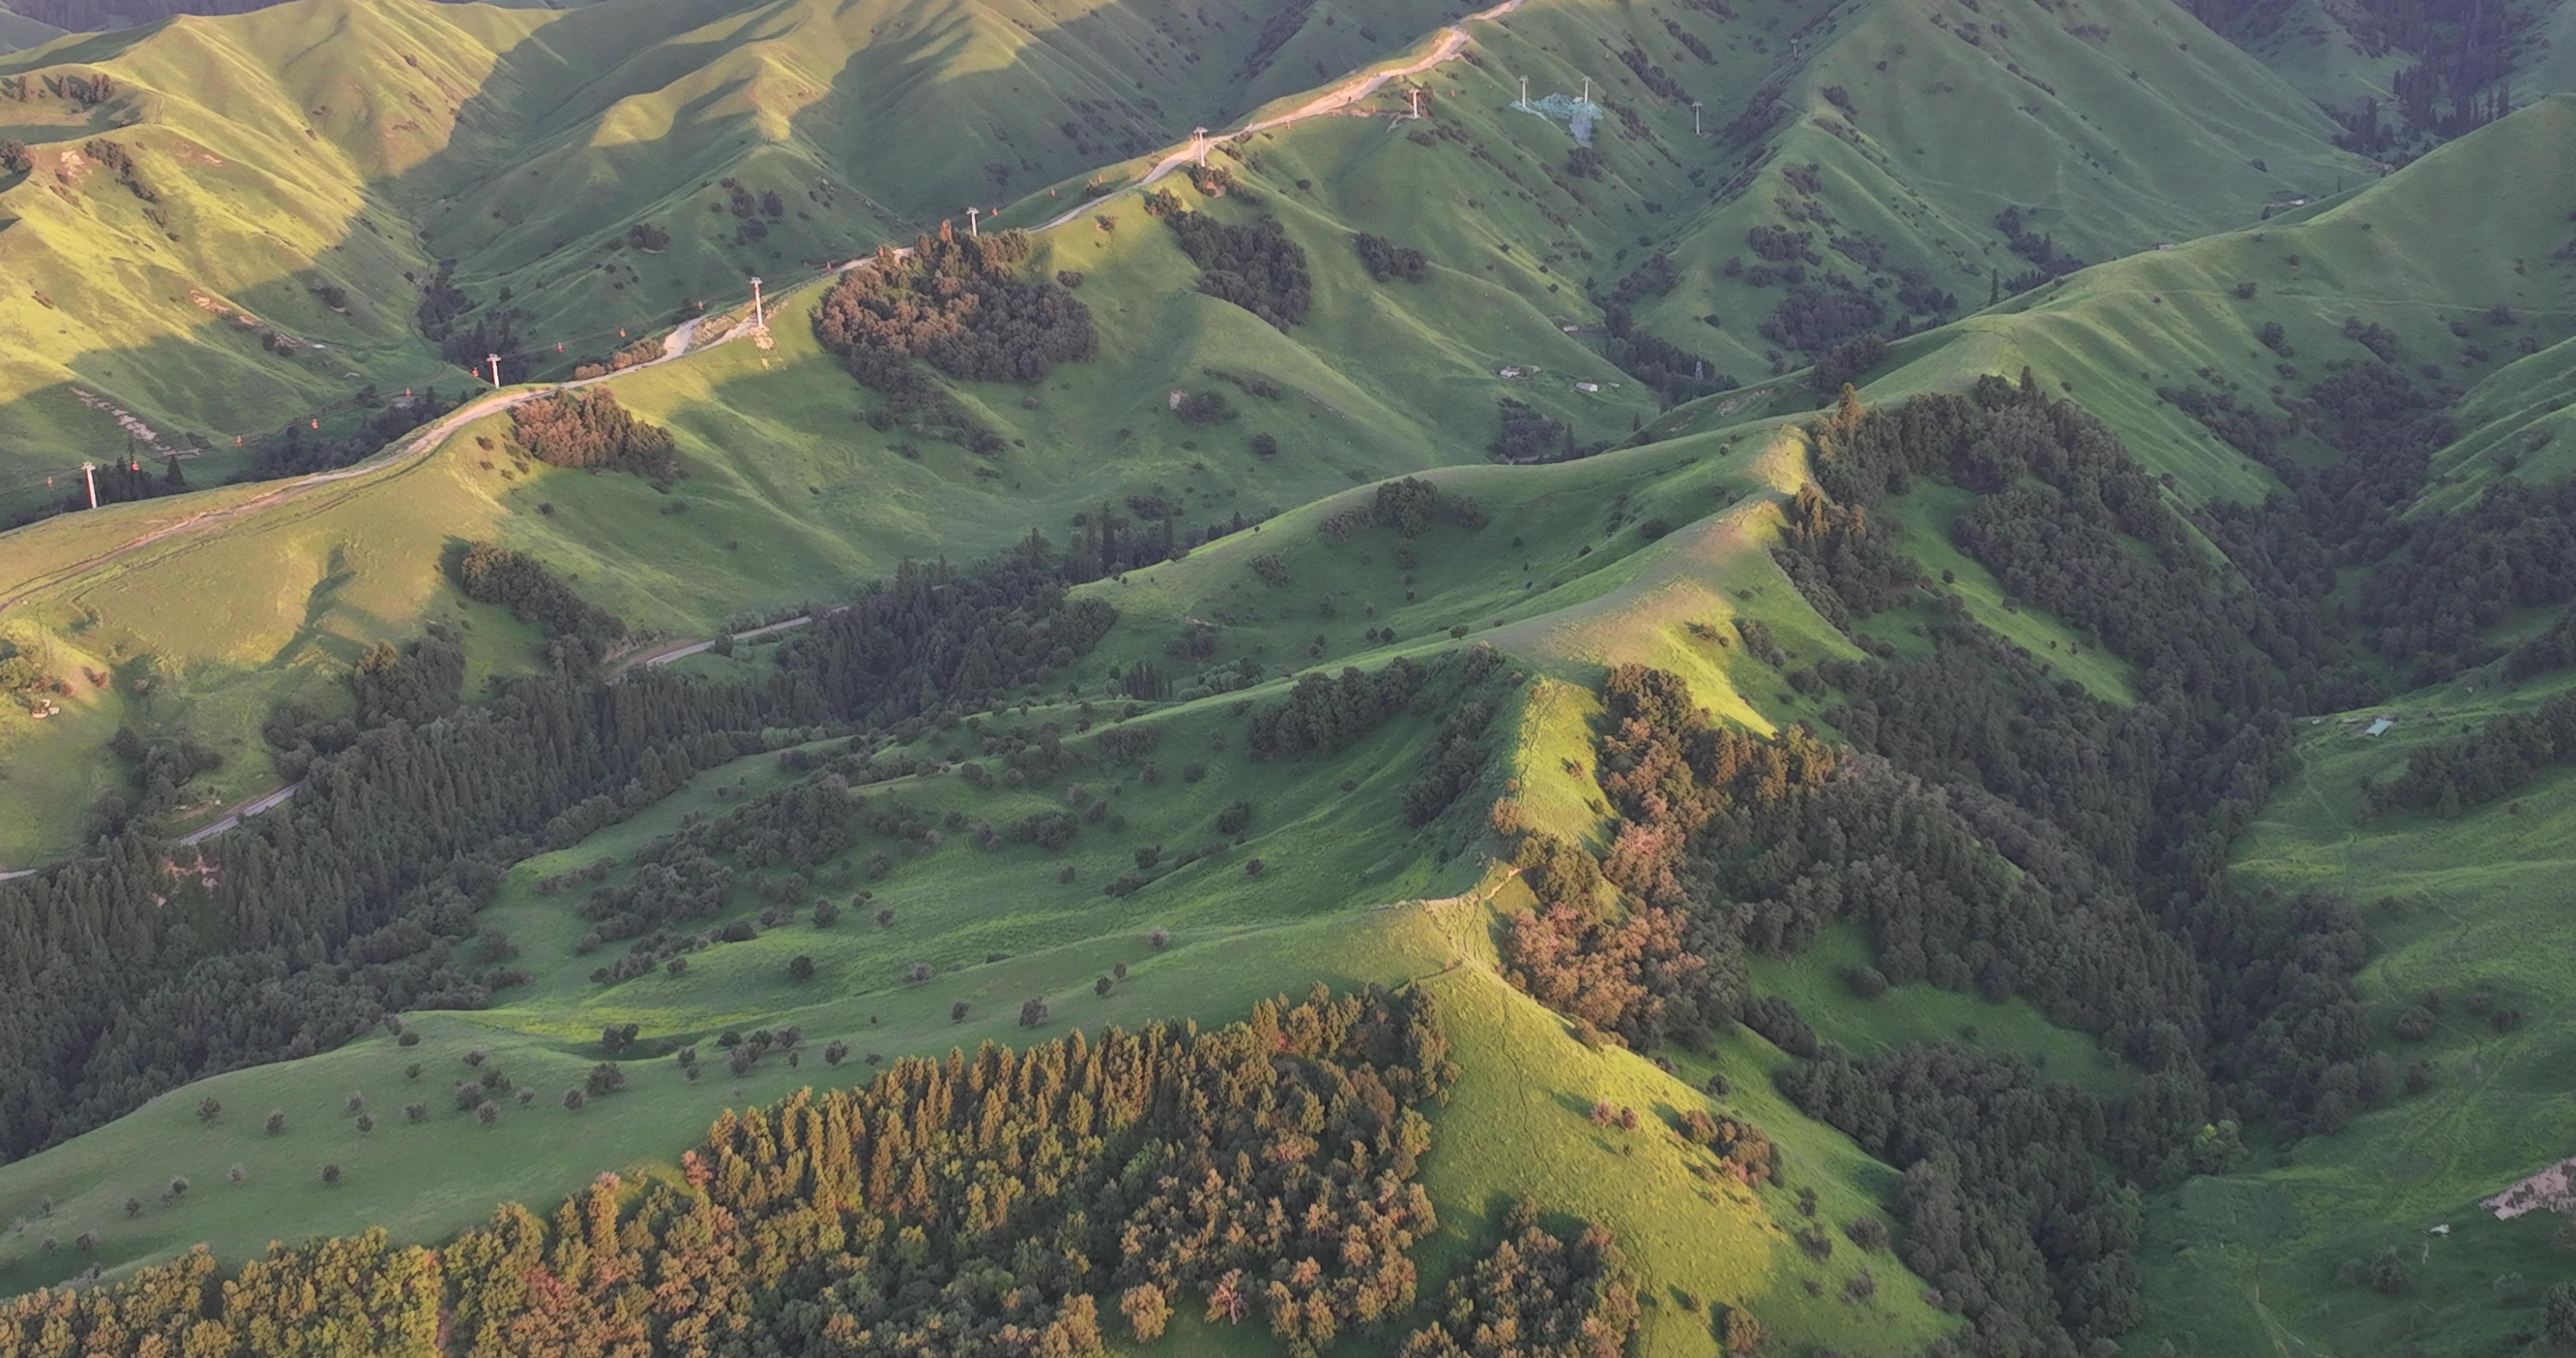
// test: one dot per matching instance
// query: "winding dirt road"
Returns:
(1453, 40)
(681, 342)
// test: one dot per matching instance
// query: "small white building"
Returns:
(2379, 727)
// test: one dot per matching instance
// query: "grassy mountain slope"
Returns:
(334, 145)
(2462, 908)
(2105, 124)
(791, 493)
(2388, 255)
(19, 31)
(1384, 377)
(1638, 554)
(1338, 900)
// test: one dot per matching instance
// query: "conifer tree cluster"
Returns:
(960, 305)
(1002, 1203)
(1536, 1295)
(590, 429)
(1256, 267)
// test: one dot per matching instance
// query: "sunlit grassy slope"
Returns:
(1339, 900)
(1643, 554)
(328, 150)
(350, 144)
(2396, 253)
(2104, 122)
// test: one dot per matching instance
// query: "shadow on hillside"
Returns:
(551, 112)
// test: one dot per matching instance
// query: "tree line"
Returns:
(1023, 1203)
(1993, 827)
(150, 966)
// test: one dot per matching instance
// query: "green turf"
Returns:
(1644, 554)
(2452, 906)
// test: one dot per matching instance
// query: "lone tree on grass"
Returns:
(209, 1109)
(835, 1052)
(1032, 1013)
(573, 1100)
(1157, 937)
(487, 1113)
(276, 1122)
(617, 1037)
(237, 1174)
(133, 1207)
(366, 1122)
(331, 1176)
(920, 972)
(1103, 986)
(416, 1112)
(885, 918)
(957, 1012)
(357, 1103)
(801, 969)
(605, 1079)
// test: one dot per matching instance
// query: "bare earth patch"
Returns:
(2552, 1189)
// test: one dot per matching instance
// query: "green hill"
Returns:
(1991, 825)
(300, 173)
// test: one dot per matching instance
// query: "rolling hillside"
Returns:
(298, 176)
(1962, 784)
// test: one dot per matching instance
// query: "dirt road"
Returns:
(1453, 40)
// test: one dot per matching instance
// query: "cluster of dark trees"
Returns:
(118, 481)
(1409, 506)
(1996, 828)
(1256, 267)
(2005, 1207)
(1003, 1203)
(959, 304)
(1387, 261)
(147, 966)
(2430, 584)
(2038, 248)
(1324, 714)
(1536, 1295)
(1675, 373)
(2450, 776)
(590, 429)
(1656, 277)
(578, 632)
(1840, 559)
(937, 638)
(441, 315)
(414, 683)
(297, 450)
(1814, 319)
(1848, 362)
(2459, 82)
